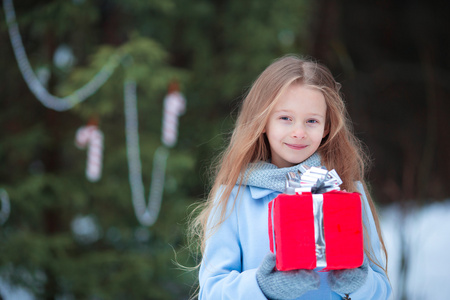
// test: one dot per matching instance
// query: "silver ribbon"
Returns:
(321, 261)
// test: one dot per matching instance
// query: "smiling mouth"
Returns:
(296, 147)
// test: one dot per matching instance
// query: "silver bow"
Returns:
(312, 179)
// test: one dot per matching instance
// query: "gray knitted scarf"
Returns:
(266, 175)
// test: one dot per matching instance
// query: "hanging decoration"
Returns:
(5, 208)
(91, 137)
(147, 214)
(174, 106)
(63, 58)
(40, 92)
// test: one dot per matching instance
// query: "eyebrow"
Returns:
(289, 111)
(318, 115)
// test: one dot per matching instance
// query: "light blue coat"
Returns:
(235, 251)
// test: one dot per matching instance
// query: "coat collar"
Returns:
(258, 193)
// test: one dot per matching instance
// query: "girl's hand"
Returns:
(347, 281)
(284, 285)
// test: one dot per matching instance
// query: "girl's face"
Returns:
(296, 125)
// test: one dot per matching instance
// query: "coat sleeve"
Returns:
(377, 285)
(221, 275)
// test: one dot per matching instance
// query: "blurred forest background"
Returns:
(392, 58)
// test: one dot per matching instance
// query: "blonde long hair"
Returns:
(339, 150)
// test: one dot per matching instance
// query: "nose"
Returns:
(299, 132)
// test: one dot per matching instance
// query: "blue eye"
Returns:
(285, 118)
(312, 121)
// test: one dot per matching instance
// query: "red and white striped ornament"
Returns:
(92, 138)
(174, 106)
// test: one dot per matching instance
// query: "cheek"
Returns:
(270, 129)
(276, 131)
(319, 134)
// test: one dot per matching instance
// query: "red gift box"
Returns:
(293, 230)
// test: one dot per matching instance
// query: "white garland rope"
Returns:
(174, 107)
(41, 93)
(146, 214)
(6, 208)
(91, 137)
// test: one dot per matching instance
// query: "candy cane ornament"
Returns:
(174, 106)
(92, 138)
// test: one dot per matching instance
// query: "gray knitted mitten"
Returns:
(348, 280)
(284, 285)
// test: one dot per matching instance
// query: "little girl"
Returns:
(292, 115)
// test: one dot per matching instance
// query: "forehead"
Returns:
(300, 97)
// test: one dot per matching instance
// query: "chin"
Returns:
(296, 162)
